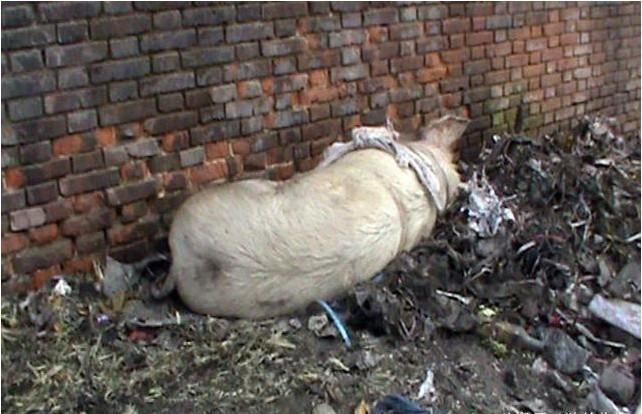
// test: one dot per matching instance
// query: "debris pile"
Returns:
(526, 299)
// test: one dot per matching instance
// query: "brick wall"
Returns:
(114, 112)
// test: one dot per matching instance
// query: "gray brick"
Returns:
(42, 193)
(120, 70)
(143, 148)
(13, 200)
(320, 7)
(72, 78)
(132, 192)
(58, 11)
(212, 113)
(9, 157)
(49, 170)
(249, 31)
(251, 89)
(81, 53)
(171, 122)
(164, 163)
(208, 16)
(34, 153)
(117, 7)
(160, 5)
(165, 62)
(17, 15)
(167, 20)
(123, 91)
(239, 109)
(72, 32)
(431, 44)
(210, 36)
(82, 120)
(285, 27)
(209, 76)
(207, 56)
(380, 17)
(281, 10)
(124, 47)
(349, 6)
(27, 218)
(281, 47)
(42, 257)
(432, 12)
(216, 131)
(285, 119)
(40, 129)
(92, 242)
(168, 40)
(408, 14)
(115, 156)
(290, 83)
(247, 12)
(167, 83)
(28, 37)
(351, 20)
(192, 156)
(126, 112)
(251, 125)
(247, 51)
(76, 99)
(198, 98)
(345, 107)
(28, 84)
(111, 27)
(285, 65)
(170, 102)
(224, 93)
(247, 70)
(322, 24)
(349, 73)
(346, 37)
(26, 108)
(319, 59)
(82, 183)
(87, 162)
(350, 55)
(28, 60)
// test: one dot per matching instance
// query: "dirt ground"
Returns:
(475, 310)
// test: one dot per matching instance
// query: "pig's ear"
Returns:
(444, 132)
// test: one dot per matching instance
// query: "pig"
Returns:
(257, 248)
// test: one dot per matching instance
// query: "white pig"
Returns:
(258, 248)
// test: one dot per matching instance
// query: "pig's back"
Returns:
(316, 233)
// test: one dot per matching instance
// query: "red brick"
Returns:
(175, 181)
(499, 49)
(456, 25)
(83, 203)
(133, 171)
(533, 70)
(282, 172)
(14, 242)
(431, 74)
(519, 34)
(71, 144)
(175, 141)
(78, 265)
(479, 38)
(552, 54)
(208, 172)
(215, 150)
(516, 61)
(42, 276)
(241, 147)
(553, 29)
(106, 137)
(14, 178)
(454, 56)
(44, 234)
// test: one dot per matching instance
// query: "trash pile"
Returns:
(526, 299)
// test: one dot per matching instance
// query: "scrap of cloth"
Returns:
(425, 166)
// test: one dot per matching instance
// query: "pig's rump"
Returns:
(258, 248)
